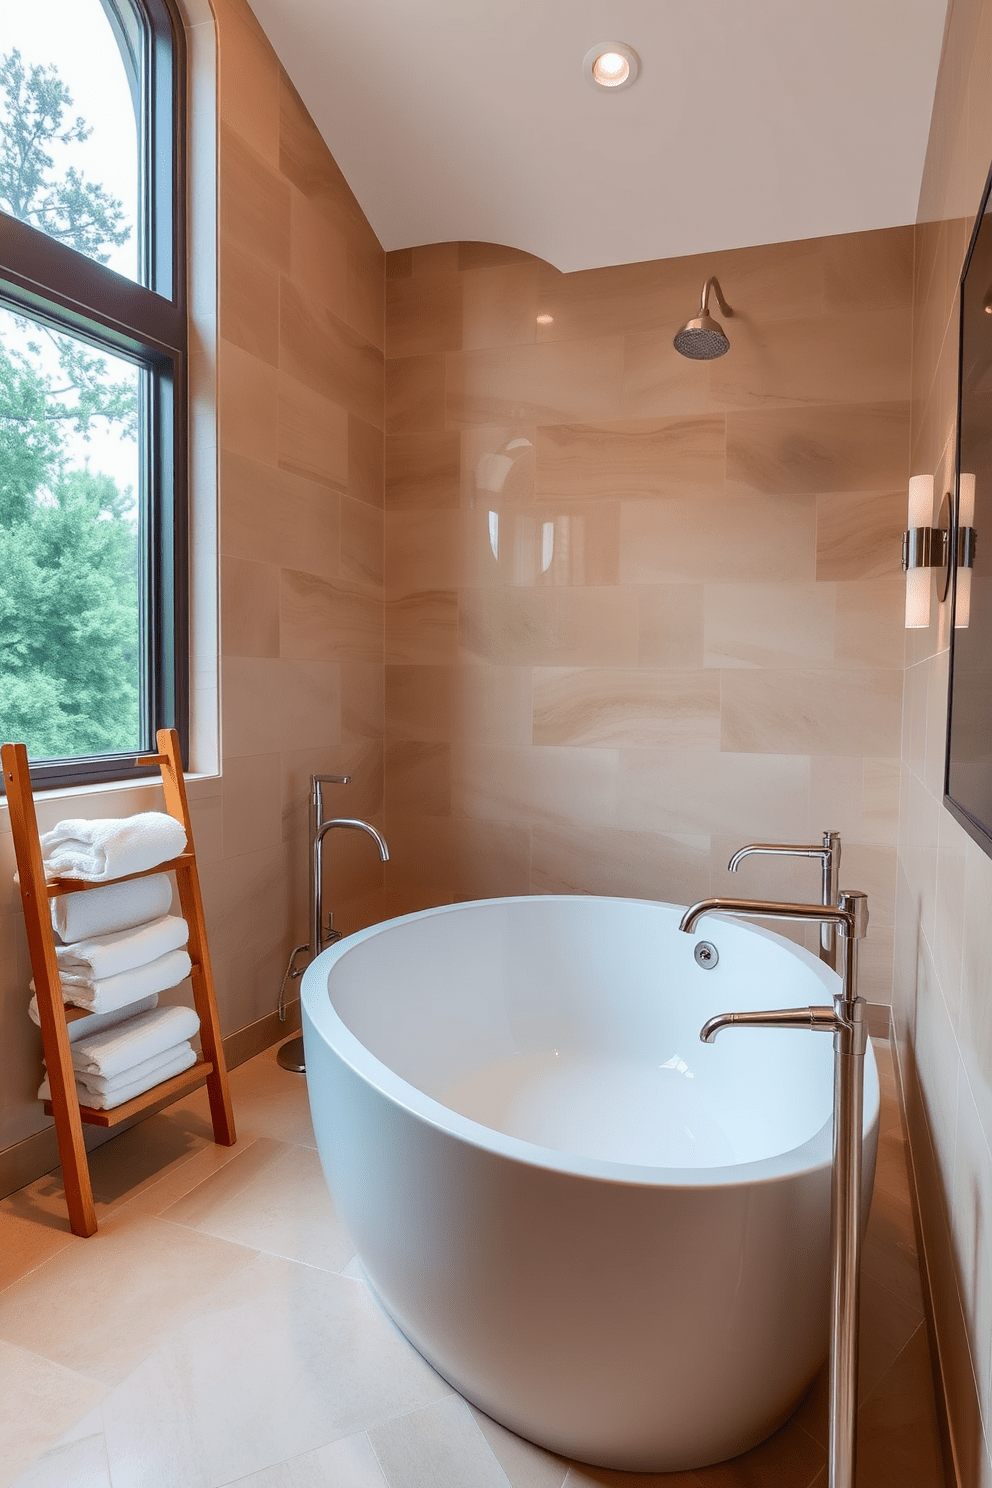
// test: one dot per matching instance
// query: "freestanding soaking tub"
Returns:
(610, 1237)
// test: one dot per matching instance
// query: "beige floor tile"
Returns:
(439, 1447)
(898, 1442)
(40, 1401)
(271, 1102)
(349, 1463)
(274, 1198)
(78, 1464)
(582, 1475)
(525, 1465)
(27, 1241)
(103, 1306)
(789, 1459)
(285, 1359)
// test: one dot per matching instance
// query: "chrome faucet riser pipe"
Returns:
(828, 853)
(847, 1019)
(317, 865)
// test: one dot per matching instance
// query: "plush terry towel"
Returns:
(102, 1101)
(116, 907)
(81, 1028)
(110, 1084)
(106, 955)
(111, 847)
(137, 1039)
(127, 986)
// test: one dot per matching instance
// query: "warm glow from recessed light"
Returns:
(611, 64)
(545, 320)
(610, 70)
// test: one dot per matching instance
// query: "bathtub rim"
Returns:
(319, 1013)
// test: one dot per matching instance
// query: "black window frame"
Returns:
(146, 323)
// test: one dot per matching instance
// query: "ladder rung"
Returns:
(60, 886)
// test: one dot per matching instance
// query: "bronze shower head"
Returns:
(703, 338)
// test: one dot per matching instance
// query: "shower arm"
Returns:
(713, 284)
(848, 1022)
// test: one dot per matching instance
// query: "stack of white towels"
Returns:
(118, 947)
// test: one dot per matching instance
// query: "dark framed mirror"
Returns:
(968, 759)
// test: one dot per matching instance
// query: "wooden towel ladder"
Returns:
(55, 1016)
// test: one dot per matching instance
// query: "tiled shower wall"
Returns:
(641, 610)
(293, 364)
(943, 964)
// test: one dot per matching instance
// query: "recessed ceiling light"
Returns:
(545, 319)
(612, 65)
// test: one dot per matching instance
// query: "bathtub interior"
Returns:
(573, 1024)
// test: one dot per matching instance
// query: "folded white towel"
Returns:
(137, 1039)
(103, 996)
(81, 1028)
(107, 1102)
(112, 846)
(109, 1084)
(106, 955)
(115, 907)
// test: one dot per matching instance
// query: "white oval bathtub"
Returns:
(607, 1235)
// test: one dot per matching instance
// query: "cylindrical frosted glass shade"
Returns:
(920, 504)
(918, 598)
(966, 500)
(962, 600)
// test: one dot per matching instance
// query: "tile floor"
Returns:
(218, 1331)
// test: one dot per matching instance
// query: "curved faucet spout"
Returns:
(357, 825)
(777, 849)
(848, 917)
(819, 1019)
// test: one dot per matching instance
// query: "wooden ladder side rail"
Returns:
(191, 902)
(48, 989)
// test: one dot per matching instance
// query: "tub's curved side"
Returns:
(637, 1326)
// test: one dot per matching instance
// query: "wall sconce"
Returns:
(966, 550)
(925, 548)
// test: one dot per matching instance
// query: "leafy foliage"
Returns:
(69, 633)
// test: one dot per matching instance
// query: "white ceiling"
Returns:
(752, 121)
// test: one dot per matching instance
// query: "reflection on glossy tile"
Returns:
(547, 384)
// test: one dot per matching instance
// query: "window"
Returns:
(93, 641)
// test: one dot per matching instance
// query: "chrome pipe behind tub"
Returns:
(847, 1020)
(828, 854)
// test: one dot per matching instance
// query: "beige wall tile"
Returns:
(318, 255)
(859, 534)
(768, 625)
(254, 203)
(423, 550)
(760, 797)
(249, 608)
(246, 404)
(361, 543)
(271, 704)
(249, 302)
(857, 447)
(423, 314)
(415, 394)
(514, 784)
(333, 619)
(249, 83)
(651, 458)
(811, 712)
(567, 859)
(318, 349)
(252, 810)
(870, 623)
(714, 537)
(658, 382)
(362, 700)
(365, 461)
(477, 704)
(550, 627)
(419, 778)
(498, 460)
(272, 516)
(546, 384)
(670, 625)
(366, 286)
(626, 709)
(547, 542)
(422, 627)
(500, 306)
(422, 470)
(312, 434)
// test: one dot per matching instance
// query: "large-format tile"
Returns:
(272, 1198)
(549, 384)
(103, 1309)
(525, 1465)
(856, 447)
(716, 537)
(811, 711)
(201, 1410)
(640, 708)
(750, 796)
(768, 625)
(41, 1400)
(643, 458)
(78, 1464)
(348, 1463)
(440, 1446)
